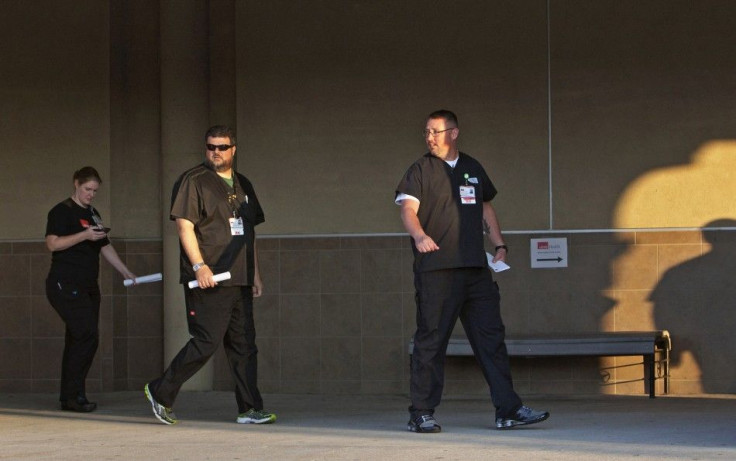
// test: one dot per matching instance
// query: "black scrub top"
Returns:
(201, 196)
(79, 263)
(457, 228)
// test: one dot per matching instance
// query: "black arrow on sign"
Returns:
(558, 259)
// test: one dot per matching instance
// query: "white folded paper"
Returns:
(217, 278)
(498, 266)
(143, 279)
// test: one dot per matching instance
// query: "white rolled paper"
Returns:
(144, 279)
(217, 278)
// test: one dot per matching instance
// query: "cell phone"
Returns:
(103, 229)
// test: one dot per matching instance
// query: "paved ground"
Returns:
(367, 427)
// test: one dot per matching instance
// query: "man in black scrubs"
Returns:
(445, 200)
(216, 210)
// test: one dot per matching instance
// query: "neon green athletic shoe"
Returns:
(164, 414)
(254, 416)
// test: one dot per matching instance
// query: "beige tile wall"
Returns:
(32, 334)
(337, 315)
(340, 311)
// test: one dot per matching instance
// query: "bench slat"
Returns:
(616, 343)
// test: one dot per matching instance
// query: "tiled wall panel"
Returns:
(337, 314)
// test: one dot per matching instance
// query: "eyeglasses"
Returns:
(434, 133)
(220, 147)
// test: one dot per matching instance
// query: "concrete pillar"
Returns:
(222, 57)
(184, 120)
(135, 132)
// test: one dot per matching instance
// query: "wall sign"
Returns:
(548, 253)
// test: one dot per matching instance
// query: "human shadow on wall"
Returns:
(680, 282)
(696, 301)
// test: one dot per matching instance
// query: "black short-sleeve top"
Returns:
(201, 196)
(454, 224)
(79, 263)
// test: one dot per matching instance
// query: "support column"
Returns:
(222, 112)
(184, 120)
(222, 55)
(135, 176)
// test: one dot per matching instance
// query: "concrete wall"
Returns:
(567, 108)
(638, 86)
(606, 122)
(332, 98)
(55, 99)
(564, 107)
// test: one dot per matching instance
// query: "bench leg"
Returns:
(666, 371)
(649, 365)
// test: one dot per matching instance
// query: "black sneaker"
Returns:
(425, 424)
(523, 416)
(78, 405)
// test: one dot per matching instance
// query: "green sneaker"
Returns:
(254, 416)
(164, 414)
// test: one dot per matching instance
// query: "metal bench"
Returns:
(648, 344)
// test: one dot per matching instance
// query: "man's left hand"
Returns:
(500, 255)
(257, 287)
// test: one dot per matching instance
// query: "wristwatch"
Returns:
(502, 246)
(198, 266)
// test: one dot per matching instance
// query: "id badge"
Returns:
(236, 226)
(467, 195)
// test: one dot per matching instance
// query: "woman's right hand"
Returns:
(94, 234)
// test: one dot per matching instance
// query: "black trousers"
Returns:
(213, 315)
(442, 296)
(79, 308)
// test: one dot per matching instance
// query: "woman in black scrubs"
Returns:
(76, 236)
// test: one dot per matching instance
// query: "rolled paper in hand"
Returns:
(143, 279)
(217, 278)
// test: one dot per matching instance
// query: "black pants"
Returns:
(442, 296)
(213, 315)
(79, 308)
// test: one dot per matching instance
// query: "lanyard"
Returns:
(95, 217)
(232, 198)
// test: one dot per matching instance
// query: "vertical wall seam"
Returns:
(549, 116)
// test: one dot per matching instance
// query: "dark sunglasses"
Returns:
(220, 147)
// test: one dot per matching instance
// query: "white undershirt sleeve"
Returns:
(401, 197)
